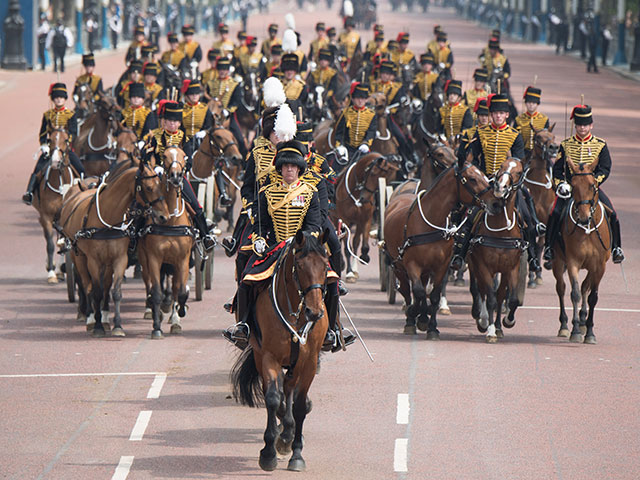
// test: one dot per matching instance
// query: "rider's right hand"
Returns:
(44, 149)
(563, 190)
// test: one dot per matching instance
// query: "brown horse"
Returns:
(538, 180)
(126, 146)
(384, 143)
(586, 236)
(418, 238)
(356, 190)
(438, 157)
(84, 102)
(280, 366)
(219, 153)
(54, 181)
(324, 137)
(96, 137)
(497, 246)
(169, 244)
(98, 224)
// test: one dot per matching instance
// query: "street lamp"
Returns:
(13, 57)
(105, 26)
(79, 26)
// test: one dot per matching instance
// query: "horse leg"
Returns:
(501, 295)
(272, 381)
(154, 266)
(107, 280)
(419, 306)
(142, 261)
(301, 407)
(584, 292)
(443, 306)
(475, 296)
(484, 283)
(283, 444)
(590, 338)
(116, 294)
(558, 273)
(576, 334)
(96, 297)
(350, 276)
(434, 298)
(492, 306)
(509, 320)
(47, 228)
(405, 291)
(364, 231)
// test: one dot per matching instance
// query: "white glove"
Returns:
(259, 246)
(225, 112)
(140, 145)
(201, 134)
(441, 65)
(249, 212)
(44, 149)
(563, 190)
(364, 148)
(342, 151)
(159, 170)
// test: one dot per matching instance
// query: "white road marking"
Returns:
(547, 358)
(78, 353)
(489, 356)
(402, 414)
(141, 425)
(114, 374)
(156, 386)
(122, 470)
(400, 455)
(17, 354)
(603, 309)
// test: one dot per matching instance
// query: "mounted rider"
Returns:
(323, 76)
(88, 77)
(453, 116)
(196, 120)
(58, 117)
(134, 75)
(319, 43)
(582, 147)
(188, 46)
(153, 91)
(404, 58)
(424, 80)
(349, 39)
(225, 45)
(134, 50)
(167, 135)
(272, 40)
(210, 73)
(443, 55)
(273, 63)
(377, 45)
(497, 66)
(480, 88)
(356, 127)
(174, 56)
(294, 88)
(136, 116)
(481, 112)
(251, 61)
(531, 121)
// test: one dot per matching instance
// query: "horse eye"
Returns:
(149, 189)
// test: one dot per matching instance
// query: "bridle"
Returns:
(461, 180)
(147, 204)
(593, 203)
(174, 162)
(361, 185)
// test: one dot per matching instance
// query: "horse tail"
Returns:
(246, 380)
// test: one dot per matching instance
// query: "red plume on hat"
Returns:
(353, 87)
(50, 89)
(477, 105)
(446, 85)
(185, 86)
(489, 99)
(249, 40)
(573, 111)
(161, 106)
(526, 90)
(399, 37)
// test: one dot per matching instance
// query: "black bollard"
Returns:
(635, 62)
(13, 58)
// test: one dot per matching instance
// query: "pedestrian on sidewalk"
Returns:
(115, 27)
(58, 40)
(605, 40)
(592, 45)
(42, 32)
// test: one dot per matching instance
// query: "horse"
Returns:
(419, 240)
(168, 244)
(281, 360)
(355, 203)
(219, 152)
(538, 179)
(84, 102)
(55, 179)
(384, 143)
(95, 139)
(424, 127)
(438, 158)
(497, 246)
(126, 146)
(586, 239)
(98, 224)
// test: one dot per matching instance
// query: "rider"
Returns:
(188, 46)
(377, 44)
(225, 45)
(273, 39)
(273, 63)
(134, 75)
(170, 134)
(454, 116)
(424, 80)
(210, 73)
(356, 127)
(196, 120)
(443, 55)
(403, 57)
(251, 61)
(324, 76)
(497, 60)
(58, 117)
(151, 88)
(174, 56)
(88, 78)
(531, 121)
(481, 111)
(136, 116)
(582, 147)
(319, 43)
(479, 90)
(433, 46)
(349, 39)
(294, 88)
(133, 52)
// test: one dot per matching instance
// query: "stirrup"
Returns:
(238, 334)
(27, 198)
(457, 262)
(617, 255)
(541, 229)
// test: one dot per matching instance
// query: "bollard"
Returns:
(13, 58)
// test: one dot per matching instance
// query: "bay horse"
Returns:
(53, 182)
(497, 246)
(281, 360)
(126, 146)
(586, 239)
(384, 143)
(84, 103)
(419, 238)
(219, 153)
(538, 179)
(170, 244)
(96, 136)
(356, 189)
(98, 224)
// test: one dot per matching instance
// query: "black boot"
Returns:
(232, 242)
(225, 199)
(332, 341)
(540, 227)
(461, 242)
(31, 186)
(550, 237)
(208, 240)
(617, 255)
(238, 334)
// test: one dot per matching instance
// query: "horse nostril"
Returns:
(162, 219)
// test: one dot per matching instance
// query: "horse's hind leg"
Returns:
(590, 338)
(492, 306)
(584, 291)
(509, 320)
(107, 281)
(558, 273)
(405, 291)
(283, 444)
(272, 381)
(434, 298)
(180, 293)
(96, 296)
(576, 334)
(118, 273)
(300, 410)
(47, 228)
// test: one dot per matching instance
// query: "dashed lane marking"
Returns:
(141, 425)
(122, 470)
(156, 386)
(402, 414)
(539, 307)
(114, 374)
(400, 455)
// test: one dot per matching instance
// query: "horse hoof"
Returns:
(590, 339)
(435, 335)
(564, 333)
(351, 279)
(81, 317)
(148, 314)
(283, 448)
(297, 465)
(422, 324)
(583, 329)
(309, 405)
(575, 338)
(532, 284)
(444, 311)
(506, 323)
(176, 329)
(52, 280)
(482, 324)
(409, 330)
(268, 464)
(157, 335)
(459, 282)
(539, 280)
(492, 339)
(118, 332)
(98, 333)
(499, 334)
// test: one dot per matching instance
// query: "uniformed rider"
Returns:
(454, 116)
(531, 121)
(356, 127)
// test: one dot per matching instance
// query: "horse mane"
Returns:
(312, 244)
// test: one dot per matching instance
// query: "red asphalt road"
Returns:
(531, 407)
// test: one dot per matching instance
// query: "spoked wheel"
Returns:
(382, 205)
(391, 286)
(384, 271)
(522, 278)
(71, 277)
(199, 277)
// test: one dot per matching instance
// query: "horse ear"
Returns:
(299, 238)
(552, 127)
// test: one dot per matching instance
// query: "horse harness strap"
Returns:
(168, 230)
(499, 242)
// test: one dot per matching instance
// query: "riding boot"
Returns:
(332, 341)
(208, 240)
(232, 242)
(238, 334)
(617, 255)
(31, 186)
(76, 163)
(532, 250)
(550, 237)
(225, 199)
(540, 227)
(461, 241)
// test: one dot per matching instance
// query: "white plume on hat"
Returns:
(289, 41)
(348, 8)
(290, 21)
(285, 127)
(273, 92)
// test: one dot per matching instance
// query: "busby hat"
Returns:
(532, 94)
(498, 102)
(436, 29)
(325, 54)
(403, 37)
(481, 75)
(147, 50)
(494, 43)
(188, 30)
(223, 63)
(289, 62)
(427, 58)
(212, 54)
(58, 90)
(378, 37)
(172, 37)
(349, 22)
(480, 107)
(136, 90)
(241, 35)
(191, 87)
(88, 60)
(172, 111)
(276, 49)
(453, 86)
(304, 132)
(359, 90)
(135, 66)
(150, 68)
(581, 115)
(441, 36)
(392, 45)
(320, 26)
(378, 27)
(273, 27)
(387, 66)
(291, 152)
(331, 32)
(251, 41)
(223, 28)
(496, 33)
(139, 30)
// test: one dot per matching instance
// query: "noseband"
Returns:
(463, 181)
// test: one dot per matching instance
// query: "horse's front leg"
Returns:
(436, 294)
(107, 281)
(365, 230)
(272, 381)
(590, 337)
(512, 276)
(119, 267)
(153, 265)
(418, 309)
(95, 293)
(283, 444)
(180, 292)
(47, 229)
(576, 334)
(558, 273)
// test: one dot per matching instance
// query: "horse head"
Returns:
(108, 109)
(126, 145)
(174, 163)
(310, 266)
(476, 187)
(442, 156)
(58, 144)
(149, 194)
(584, 188)
(215, 105)
(544, 147)
(508, 178)
(379, 102)
(222, 144)
(84, 100)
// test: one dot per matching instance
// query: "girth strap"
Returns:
(500, 242)
(168, 230)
